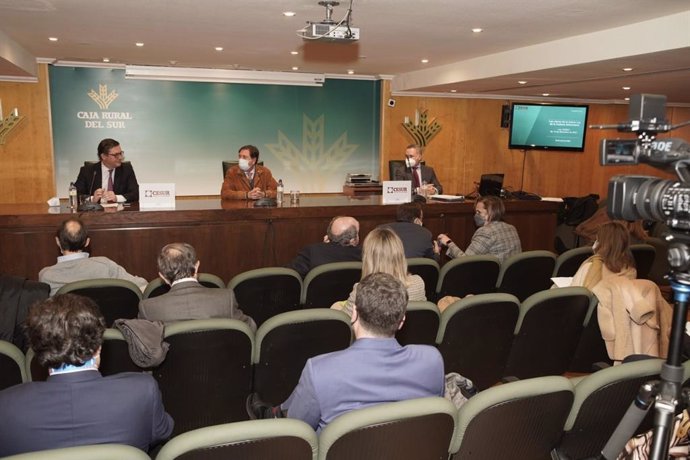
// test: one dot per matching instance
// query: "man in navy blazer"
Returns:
(375, 368)
(422, 176)
(110, 178)
(77, 405)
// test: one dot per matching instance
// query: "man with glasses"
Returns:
(110, 180)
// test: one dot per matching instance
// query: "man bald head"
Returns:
(343, 230)
(72, 236)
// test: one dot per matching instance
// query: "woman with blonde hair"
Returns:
(383, 252)
(612, 257)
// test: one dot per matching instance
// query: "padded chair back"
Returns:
(158, 287)
(206, 375)
(526, 273)
(95, 452)
(12, 365)
(229, 164)
(418, 429)
(468, 275)
(267, 292)
(428, 269)
(601, 400)
(591, 348)
(115, 356)
(287, 439)
(475, 336)
(568, 262)
(521, 420)
(285, 342)
(394, 165)
(115, 298)
(644, 255)
(330, 283)
(34, 371)
(547, 332)
(421, 324)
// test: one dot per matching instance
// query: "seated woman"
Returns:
(612, 257)
(493, 237)
(383, 252)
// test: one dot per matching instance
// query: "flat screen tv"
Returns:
(548, 127)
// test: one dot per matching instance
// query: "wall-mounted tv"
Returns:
(548, 127)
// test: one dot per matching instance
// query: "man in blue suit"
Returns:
(111, 179)
(375, 368)
(77, 405)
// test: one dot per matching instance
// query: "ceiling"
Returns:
(570, 49)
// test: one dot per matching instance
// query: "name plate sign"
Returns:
(397, 191)
(157, 196)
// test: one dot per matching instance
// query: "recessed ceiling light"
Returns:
(546, 94)
(139, 44)
(424, 61)
(53, 39)
(350, 72)
(627, 88)
(627, 98)
(476, 30)
(522, 82)
(218, 48)
(453, 90)
(289, 14)
(294, 53)
(295, 68)
(627, 69)
(106, 59)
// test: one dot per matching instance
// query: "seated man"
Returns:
(75, 264)
(248, 180)
(375, 368)
(77, 405)
(424, 181)
(110, 178)
(493, 237)
(341, 244)
(417, 240)
(178, 266)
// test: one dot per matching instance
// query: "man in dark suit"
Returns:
(77, 405)
(187, 299)
(341, 244)
(417, 240)
(110, 178)
(423, 177)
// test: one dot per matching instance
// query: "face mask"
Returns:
(244, 164)
(410, 162)
(479, 220)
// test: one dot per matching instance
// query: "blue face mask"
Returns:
(479, 220)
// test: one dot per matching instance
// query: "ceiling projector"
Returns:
(330, 30)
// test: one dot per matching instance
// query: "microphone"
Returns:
(89, 205)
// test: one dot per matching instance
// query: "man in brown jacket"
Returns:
(248, 180)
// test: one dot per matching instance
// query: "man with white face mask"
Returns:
(424, 181)
(493, 237)
(248, 180)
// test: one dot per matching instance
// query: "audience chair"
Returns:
(206, 375)
(416, 429)
(591, 349)
(158, 287)
(286, 439)
(421, 324)
(12, 365)
(329, 283)
(115, 356)
(267, 292)
(428, 269)
(601, 400)
(17, 295)
(229, 164)
(91, 452)
(520, 420)
(115, 298)
(547, 332)
(285, 342)
(33, 370)
(468, 275)
(475, 336)
(526, 273)
(644, 255)
(568, 262)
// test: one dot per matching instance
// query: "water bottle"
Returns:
(279, 191)
(73, 196)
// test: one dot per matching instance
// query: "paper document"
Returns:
(562, 281)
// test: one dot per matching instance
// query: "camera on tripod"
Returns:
(646, 197)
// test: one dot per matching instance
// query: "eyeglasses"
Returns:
(117, 155)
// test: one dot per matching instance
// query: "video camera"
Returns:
(647, 197)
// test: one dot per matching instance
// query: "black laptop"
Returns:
(491, 184)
